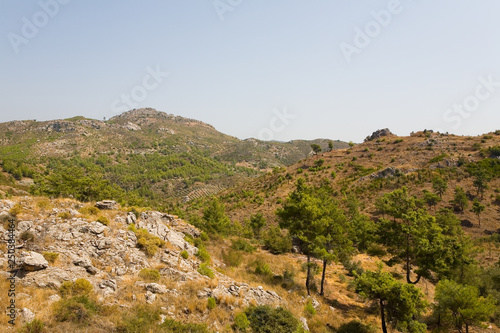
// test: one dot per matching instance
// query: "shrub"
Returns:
(172, 326)
(276, 242)
(355, 326)
(353, 267)
(64, 215)
(141, 320)
(309, 309)
(188, 238)
(103, 220)
(211, 304)
(375, 250)
(147, 242)
(89, 210)
(242, 245)
(151, 275)
(262, 268)
(203, 254)
(78, 309)
(204, 236)
(264, 319)
(43, 204)
(241, 323)
(50, 256)
(204, 269)
(35, 326)
(80, 287)
(27, 236)
(184, 254)
(16, 210)
(494, 151)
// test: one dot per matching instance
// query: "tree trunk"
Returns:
(382, 316)
(408, 272)
(322, 292)
(466, 328)
(308, 274)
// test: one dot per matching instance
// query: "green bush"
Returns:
(264, 319)
(204, 236)
(204, 269)
(375, 250)
(277, 243)
(241, 323)
(142, 319)
(211, 304)
(309, 309)
(355, 326)
(78, 309)
(103, 220)
(77, 288)
(172, 326)
(262, 268)
(242, 245)
(184, 254)
(35, 326)
(50, 256)
(16, 210)
(203, 254)
(151, 275)
(64, 215)
(353, 267)
(150, 244)
(89, 210)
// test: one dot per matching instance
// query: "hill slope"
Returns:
(143, 157)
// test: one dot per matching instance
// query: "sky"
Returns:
(280, 70)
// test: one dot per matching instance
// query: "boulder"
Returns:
(87, 264)
(107, 205)
(156, 288)
(32, 261)
(27, 316)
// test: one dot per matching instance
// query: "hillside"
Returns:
(129, 269)
(381, 165)
(142, 157)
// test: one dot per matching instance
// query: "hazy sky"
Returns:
(281, 69)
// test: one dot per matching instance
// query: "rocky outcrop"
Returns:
(378, 134)
(109, 258)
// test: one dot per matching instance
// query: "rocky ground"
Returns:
(109, 257)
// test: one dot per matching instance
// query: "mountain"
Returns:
(143, 157)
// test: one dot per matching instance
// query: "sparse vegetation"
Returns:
(151, 275)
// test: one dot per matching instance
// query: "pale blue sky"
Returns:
(262, 57)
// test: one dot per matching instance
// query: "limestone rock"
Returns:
(107, 205)
(27, 316)
(378, 134)
(32, 261)
(150, 297)
(156, 288)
